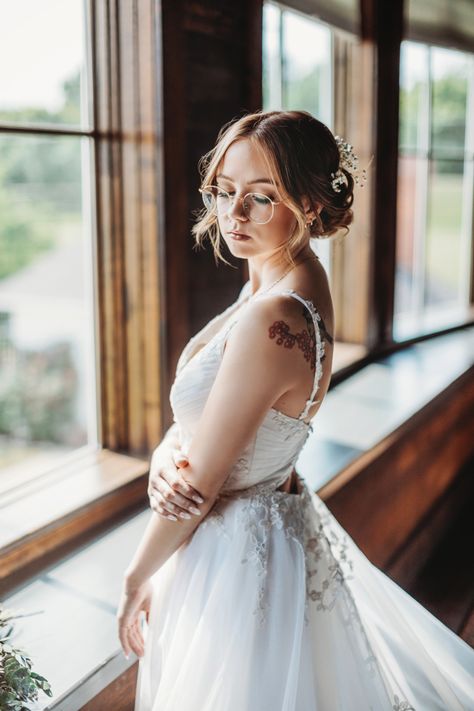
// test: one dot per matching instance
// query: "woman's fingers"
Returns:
(131, 606)
(127, 632)
(178, 483)
(132, 641)
(123, 636)
(136, 639)
(123, 632)
(170, 495)
(168, 502)
(169, 490)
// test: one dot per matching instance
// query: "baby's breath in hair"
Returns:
(349, 161)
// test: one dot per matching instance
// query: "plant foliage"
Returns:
(18, 683)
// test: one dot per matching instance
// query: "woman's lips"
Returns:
(238, 236)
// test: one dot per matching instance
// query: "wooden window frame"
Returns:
(372, 246)
(425, 153)
(98, 487)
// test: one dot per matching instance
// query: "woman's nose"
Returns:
(236, 209)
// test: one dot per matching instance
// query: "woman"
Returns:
(255, 598)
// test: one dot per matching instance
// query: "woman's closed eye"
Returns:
(258, 197)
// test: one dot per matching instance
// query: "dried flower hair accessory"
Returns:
(350, 162)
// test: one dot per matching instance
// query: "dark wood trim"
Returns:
(471, 266)
(110, 261)
(404, 564)
(343, 19)
(175, 181)
(394, 347)
(253, 57)
(202, 43)
(383, 24)
(399, 481)
(71, 502)
(353, 119)
(45, 129)
(118, 695)
(127, 75)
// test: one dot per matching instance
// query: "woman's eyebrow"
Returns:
(251, 182)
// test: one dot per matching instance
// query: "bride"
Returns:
(245, 594)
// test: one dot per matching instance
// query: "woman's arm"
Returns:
(171, 438)
(168, 492)
(160, 540)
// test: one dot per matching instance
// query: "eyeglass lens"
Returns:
(257, 207)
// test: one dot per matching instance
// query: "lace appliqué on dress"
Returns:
(326, 562)
(215, 516)
(400, 705)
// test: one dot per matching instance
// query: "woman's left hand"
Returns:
(133, 601)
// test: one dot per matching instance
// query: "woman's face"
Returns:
(243, 170)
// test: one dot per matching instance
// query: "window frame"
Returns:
(378, 57)
(426, 153)
(123, 43)
(351, 57)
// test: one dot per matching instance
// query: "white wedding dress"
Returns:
(270, 605)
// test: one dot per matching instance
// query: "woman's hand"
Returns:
(170, 495)
(133, 600)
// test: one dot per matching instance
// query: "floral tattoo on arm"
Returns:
(305, 339)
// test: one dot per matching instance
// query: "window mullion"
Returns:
(466, 253)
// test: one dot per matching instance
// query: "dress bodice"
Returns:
(269, 458)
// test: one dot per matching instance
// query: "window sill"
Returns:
(364, 415)
(43, 517)
(71, 634)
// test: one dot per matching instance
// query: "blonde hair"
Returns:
(300, 153)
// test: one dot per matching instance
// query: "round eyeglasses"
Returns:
(257, 207)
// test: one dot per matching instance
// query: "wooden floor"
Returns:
(445, 584)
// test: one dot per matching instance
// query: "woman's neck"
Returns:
(261, 275)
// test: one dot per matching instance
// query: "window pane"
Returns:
(449, 72)
(47, 389)
(306, 67)
(297, 72)
(414, 88)
(443, 238)
(271, 57)
(410, 224)
(42, 62)
(435, 189)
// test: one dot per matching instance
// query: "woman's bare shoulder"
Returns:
(312, 283)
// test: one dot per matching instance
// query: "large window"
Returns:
(47, 373)
(435, 189)
(80, 267)
(297, 69)
(313, 65)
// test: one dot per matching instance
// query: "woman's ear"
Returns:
(310, 214)
(307, 210)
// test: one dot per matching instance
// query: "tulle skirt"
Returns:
(271, 606)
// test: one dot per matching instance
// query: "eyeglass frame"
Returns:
(273, 202)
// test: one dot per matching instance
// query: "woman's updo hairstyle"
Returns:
(301, 153)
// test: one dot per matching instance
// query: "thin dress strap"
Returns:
(319, 342)
(319, 348)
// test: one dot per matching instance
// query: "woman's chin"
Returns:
(237, 246)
